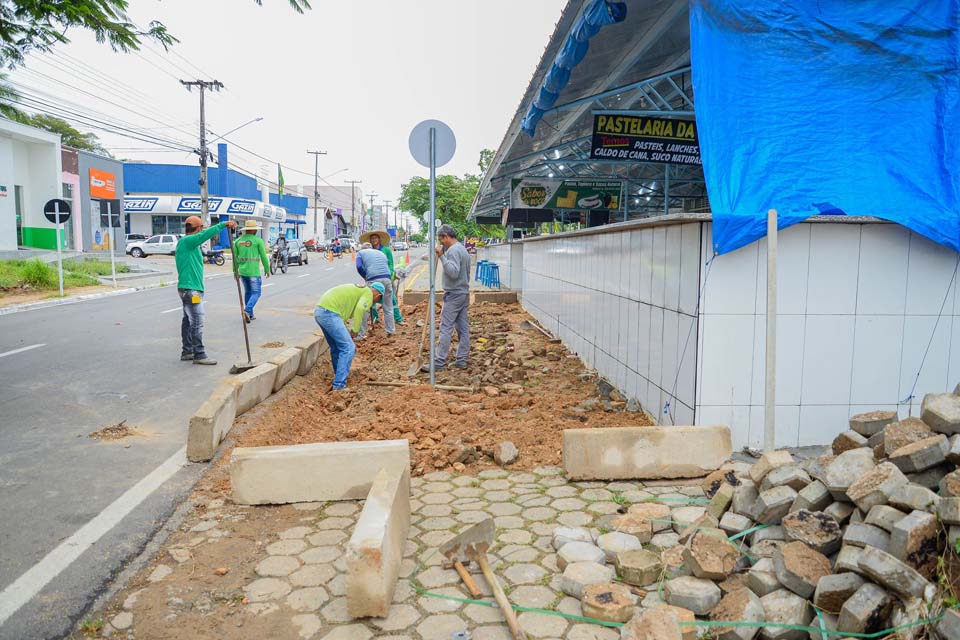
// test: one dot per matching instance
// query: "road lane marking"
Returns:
(22, 349)
(303, 275)
(24, 588)
(172, 310)
(329, 269)
(269, 284)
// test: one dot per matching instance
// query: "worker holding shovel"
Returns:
(376, 240)
(346, 303)
(189, 260)
(249, 252)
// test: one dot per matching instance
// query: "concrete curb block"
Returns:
(318, 472)
(211, 423)
(311, 352)
(375, 550)
(288, 363)
(621, 453)
(254, 386)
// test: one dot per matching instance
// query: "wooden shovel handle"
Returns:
(468, 580)
(501, 597)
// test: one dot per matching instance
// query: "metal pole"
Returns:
(770, 403)
(56, 213)
(316, 189)
(204, 189)
(113, 241)
(432, 235)
(666, 189)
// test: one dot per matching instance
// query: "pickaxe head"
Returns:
(469, 543)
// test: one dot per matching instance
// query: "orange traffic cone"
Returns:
(330, 255)
(407, 258)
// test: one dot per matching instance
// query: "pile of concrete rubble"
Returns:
(855, 542)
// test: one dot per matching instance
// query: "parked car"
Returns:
(297, 252)
(348, 244)
(163, 243)
(134, 237)
(400, 246)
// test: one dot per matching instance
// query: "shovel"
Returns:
(240, 367)
(472, 544)
(415, 367)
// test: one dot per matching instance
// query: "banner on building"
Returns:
(631, 138)
(103, 185)
(595, 195)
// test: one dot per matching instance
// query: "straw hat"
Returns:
(251, 225)
(384, 236)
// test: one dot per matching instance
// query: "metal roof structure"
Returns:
(640, 66)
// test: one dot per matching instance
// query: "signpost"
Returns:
(106, 209)
(432, 144)
(58, 212)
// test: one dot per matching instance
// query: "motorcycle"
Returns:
(278, 260)
(214, 257)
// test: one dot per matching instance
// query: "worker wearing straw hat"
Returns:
(249, 253)
(380, 240)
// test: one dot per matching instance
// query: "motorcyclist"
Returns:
(284, 250)
(336, 247)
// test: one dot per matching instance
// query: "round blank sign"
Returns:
(420, 143)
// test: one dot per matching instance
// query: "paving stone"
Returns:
(683, 517)
(122, 620)
(813, 497)
(744, 497)
(722, 499)
(876, 486)
(335, 523)
(846, 441)
(437, 498)
(890, 572)
(563, 535)
(436, 510)
(309, 599)
(867, 424)
(609, 602)
(735, 582)
(327, 538)
(673, 563)
(338, 585)
(866, 611)
(949, 510)
(580, 574)
(653, 624)
(574, 519)
(914, 540)
(483, 614)
(312, 575)
(335, 611)
(866, 535)
(488, 474)
(663, 541)
(591, 632)
(603, 508)
(695, 594)
(840, 511)
(534, 597)
(570, 606)
(767, 463)
(540, 625)
(877, 442)
(899, 434)
(912, 496)
(277, 566)
(949, 625)
(644, 520)
(848, 559)
(884, 516)
(320, 555)
(930, 479)
(441, 626)
(515, 537)
(710, 556)
(295, 533)
(784, 607)
(471, 517)
(739, 606)
(579, 552)
(286, 547)
(442, 605)
(539, 513)
(791, 475)
(308, 625)
(941, 411)
(815, 529)
(595, 494)
(568, 504)
(774, 503)
(437, 577)
(518, 553)
(439, 524)
(921, 455)
(400, 617)
(266, 589)
(774, 532)
(524, 573)
(846, 469)
(833, 590)
(639, 567)
(799, 568)
(732, 523)
(617, 542)
(436, 538)
(762, 577)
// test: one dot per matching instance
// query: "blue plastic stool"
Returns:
(493, 277)
(484, 271)
(480, 263)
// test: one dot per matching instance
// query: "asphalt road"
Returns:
(98, 363)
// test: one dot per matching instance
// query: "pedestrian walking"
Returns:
(189, 259)
(456, 298)
(373, 267)
(343, 304)
(380, 240)
(249, 253)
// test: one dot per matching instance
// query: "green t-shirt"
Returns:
(349, 302)
(389, 253)
(249, 252)
(190, 258)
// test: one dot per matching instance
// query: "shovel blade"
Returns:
(241, 367)
(470, 542)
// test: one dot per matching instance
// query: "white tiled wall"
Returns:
(856, 309)
(625, 301)
(500, 254)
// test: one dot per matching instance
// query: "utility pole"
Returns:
(386, 213)
(316, 187)
(213, 85)
(372, 196)
(353, 202)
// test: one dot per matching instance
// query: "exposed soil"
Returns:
(115, 432)
(271, 345)
(9, 297)
(528, 389)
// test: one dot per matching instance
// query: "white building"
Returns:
(30, 169)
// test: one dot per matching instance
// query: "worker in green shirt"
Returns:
(249, 253)
(190, 286)
(346, 303)
(374, 238)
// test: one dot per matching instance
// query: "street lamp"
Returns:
(234, 129)
(334, 173)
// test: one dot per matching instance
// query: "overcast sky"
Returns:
(349, 77)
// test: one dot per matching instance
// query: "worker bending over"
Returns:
(346, 303)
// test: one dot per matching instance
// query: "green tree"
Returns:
(454, 198)
(27, 25)
(69, 136)
(8, 96)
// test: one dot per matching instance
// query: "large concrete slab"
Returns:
(288, 363)
(254, 386)
(313, 472)
(211, 423)
(644, 452)
(375, 550)
(311, 347)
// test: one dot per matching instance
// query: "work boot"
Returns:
(436, 368)
(186, 357)
(204, 360)
(247, 317)
(459, 365)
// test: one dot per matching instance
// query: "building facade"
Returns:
(30, 175)
(99, 205)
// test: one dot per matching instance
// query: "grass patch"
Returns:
(93, 267)
(91, 627)
(39, 275)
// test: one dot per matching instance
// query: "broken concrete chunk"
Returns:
(643, 520)
(840, 511)
(788, 608)
(866, 535)
(673, 564)
(683, 517)
(848, 559)
(914, 540)
(608, 602)
(867, 611)
(762, 577)
(732, 523)
(900, 434)
(910, 497)
(774, 504)
(876, 442)
(884, 569)
(949, 625)
(949, 510)
(846, 441)
(579, 575)
(921, 455)
(813, 497)
(710, 556)
(653, 624)
(846, 469)
(876, 486)
(638, 567)
(799, 568)
(950, 485)
(767, 463)
(573, 552)
(817, 467)
(714, 480)
(505, 453)
(720, 501)
(616, 542)
(930, 479)
(833, 590)
(663, 541)
(868, 424)
(884, 516)
(695, 594)
(791, 475)
(744, 499)
(953, 453)
(813, 528)
(620, 453)
(563, 535)
(741, 606)
(941, 411)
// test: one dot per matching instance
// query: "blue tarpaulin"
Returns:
(828, 107)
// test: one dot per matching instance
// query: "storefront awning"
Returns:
(187, 205)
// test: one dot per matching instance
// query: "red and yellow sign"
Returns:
(103, 185)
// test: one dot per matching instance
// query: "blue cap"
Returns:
(379, 287)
